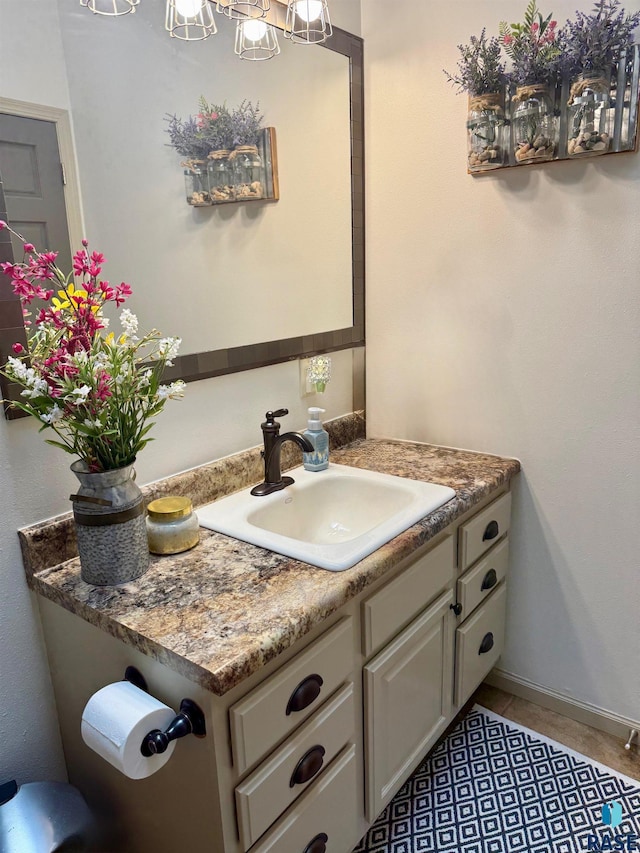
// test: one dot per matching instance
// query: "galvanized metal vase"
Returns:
(110, 525)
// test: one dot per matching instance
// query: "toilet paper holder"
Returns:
(188, 721)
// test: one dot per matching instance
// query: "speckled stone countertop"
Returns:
(218, 613)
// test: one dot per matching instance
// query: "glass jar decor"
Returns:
(221, 177)
(589, 117)
(534, 124)
(247, 168)
(172, 525)
(486, 130)
(196, 183)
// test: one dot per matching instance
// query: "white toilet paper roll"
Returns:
(114, 723)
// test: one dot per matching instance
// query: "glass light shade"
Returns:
(112, 8)
(243, 9)
(256, 40)
(308, 21)
(189, 20)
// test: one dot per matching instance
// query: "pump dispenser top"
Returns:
(314, 422)
(319, 437)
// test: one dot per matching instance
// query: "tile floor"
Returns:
(594, 744)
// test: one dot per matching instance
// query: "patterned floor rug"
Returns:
(493, 786)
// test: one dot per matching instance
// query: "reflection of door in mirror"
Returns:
(32, 200)
(33, 182)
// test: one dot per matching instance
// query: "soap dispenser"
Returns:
(319, 437)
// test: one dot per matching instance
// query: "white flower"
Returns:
(173, 391)
(18, 368)
(145, 378)
(129, 323)
(105, 322)
(54, 414)
(168, 349)
(81, 393)
(36, 387)
(92, 424)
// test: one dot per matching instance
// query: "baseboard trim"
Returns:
(581, 712)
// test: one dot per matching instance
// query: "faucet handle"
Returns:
(279, 413)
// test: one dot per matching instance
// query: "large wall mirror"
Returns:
(244, 285)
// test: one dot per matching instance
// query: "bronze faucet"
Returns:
(273, 441)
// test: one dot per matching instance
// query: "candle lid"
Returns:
(170, 508)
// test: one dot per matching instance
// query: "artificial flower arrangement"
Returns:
(532, 47)
(214, 128)
(98, 391)
(219, 147)
(481, 69)
(540, 54)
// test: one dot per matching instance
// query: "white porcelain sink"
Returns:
(330, 519)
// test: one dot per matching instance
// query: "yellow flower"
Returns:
(111, 339)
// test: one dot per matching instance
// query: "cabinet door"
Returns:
(408, 694)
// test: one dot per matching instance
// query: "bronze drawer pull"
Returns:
(305, 693)
(309, 765)
(317, 844)
(487, 644)
(491, 531)
(490, 580)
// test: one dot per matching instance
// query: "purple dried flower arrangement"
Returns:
(214, 128)
(592, 42)
(480, 68)
(246, 124)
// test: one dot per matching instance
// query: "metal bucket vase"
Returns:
(110, 524)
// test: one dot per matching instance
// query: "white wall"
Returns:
(503, 316)
(217, 417)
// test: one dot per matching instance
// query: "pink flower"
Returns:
(507, 39)
(535, 28)
(122, 292)
(29, 247)
(553, 25)
(18, 348)
(85, 242)
(3, 225)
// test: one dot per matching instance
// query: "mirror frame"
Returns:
(206, 365)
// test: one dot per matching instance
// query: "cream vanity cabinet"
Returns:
(303, 755)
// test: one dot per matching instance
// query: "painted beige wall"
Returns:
(503, 315)
(217, 417)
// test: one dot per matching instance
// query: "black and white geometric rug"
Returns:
(493, 786)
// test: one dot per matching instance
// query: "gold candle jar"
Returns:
(172, 525)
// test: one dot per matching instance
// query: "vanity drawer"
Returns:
(400, 601)
(267, 715)
(273, 786)
(483, 530)
(327, 813)
(479, 644)
(478, 583)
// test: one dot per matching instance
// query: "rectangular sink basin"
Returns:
(330, 519)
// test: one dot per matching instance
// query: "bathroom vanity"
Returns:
(322, 691)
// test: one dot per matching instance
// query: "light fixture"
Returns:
(308, 21)
(190, 20)
(256, 40)
(112, 8)
(239, 9)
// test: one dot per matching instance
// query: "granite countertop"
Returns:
(218, 613)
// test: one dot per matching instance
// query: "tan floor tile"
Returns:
(590, 742)
(492, 698)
